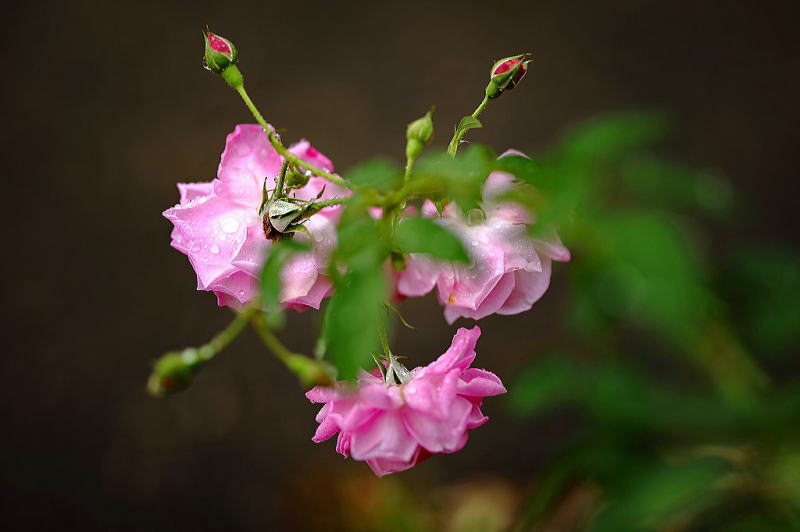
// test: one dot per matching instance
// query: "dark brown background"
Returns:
(107, 107)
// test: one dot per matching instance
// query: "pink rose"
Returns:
(510, 270)
(217, 224)
(395, 426)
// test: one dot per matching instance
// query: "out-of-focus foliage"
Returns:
(661, 361)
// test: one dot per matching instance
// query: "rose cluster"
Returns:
(393, 418)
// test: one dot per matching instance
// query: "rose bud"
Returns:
(220, 52)
(418, 134)
(505, 74)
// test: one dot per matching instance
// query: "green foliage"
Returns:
(467, 123)
(766, 295)
(439, 176)
(355, 314)
(420, 235)
(381, 174)
(679, 422)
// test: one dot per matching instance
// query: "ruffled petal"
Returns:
(529, 287)
(436, 435)
(385, 437)
(476, 382)
(248, 159)
(460, 354)
(491, 303)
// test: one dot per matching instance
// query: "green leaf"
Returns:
(355, 315)
(381, 174)
(609, 137)
(523, 168)
(439, 176)
(468, 122)
(547, 383)
(420, 235)
(353, 320)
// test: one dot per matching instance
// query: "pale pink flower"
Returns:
(217, 224)
(510, 270)
(395, 426)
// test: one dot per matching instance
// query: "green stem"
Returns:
(409, 167)
(452, 148)
(175, 371)
(223, 338)
(329, 202)
(270, 340)
(281, 149)
(281, 178)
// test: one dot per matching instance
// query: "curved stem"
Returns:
(281, 149)
(270, 340)
(224, 337)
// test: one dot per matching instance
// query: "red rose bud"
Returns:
(505, 74)
(220, 52)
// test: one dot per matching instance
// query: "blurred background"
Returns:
(655, 386)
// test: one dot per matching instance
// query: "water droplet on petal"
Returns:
(214, 249)
(230, 225)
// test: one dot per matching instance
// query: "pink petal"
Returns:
(248, 159)
(238, 286)
(530, 286)
(460, 354)
(439, 436)
(480, 383)
(383, 437)
(419, 277)
(382, 466)
(491, 304)
(309, 154)
(327, 429)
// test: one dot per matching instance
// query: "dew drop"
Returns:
(214, 249)
(230, 225)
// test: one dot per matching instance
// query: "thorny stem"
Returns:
(452, 148)
(281, 149)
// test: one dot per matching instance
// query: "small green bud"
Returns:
(506, 74)
(173, 372)
(296, 179)
(418, 134)
(220, 52)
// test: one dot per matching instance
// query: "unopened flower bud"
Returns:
(220, 52)
(173, 372)
(221, 57)
(505, 74)
(418, 134)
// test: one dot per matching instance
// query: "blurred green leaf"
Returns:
(612, 136)
(382, 174)
(420, 235)
(355, 314)
(353, 320)
(653, 496)
(764, 282)
(460, 179)
(664, 183)
(549, 382)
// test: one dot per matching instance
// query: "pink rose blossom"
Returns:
(217, 224)
(395, 426)
(510, 270)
